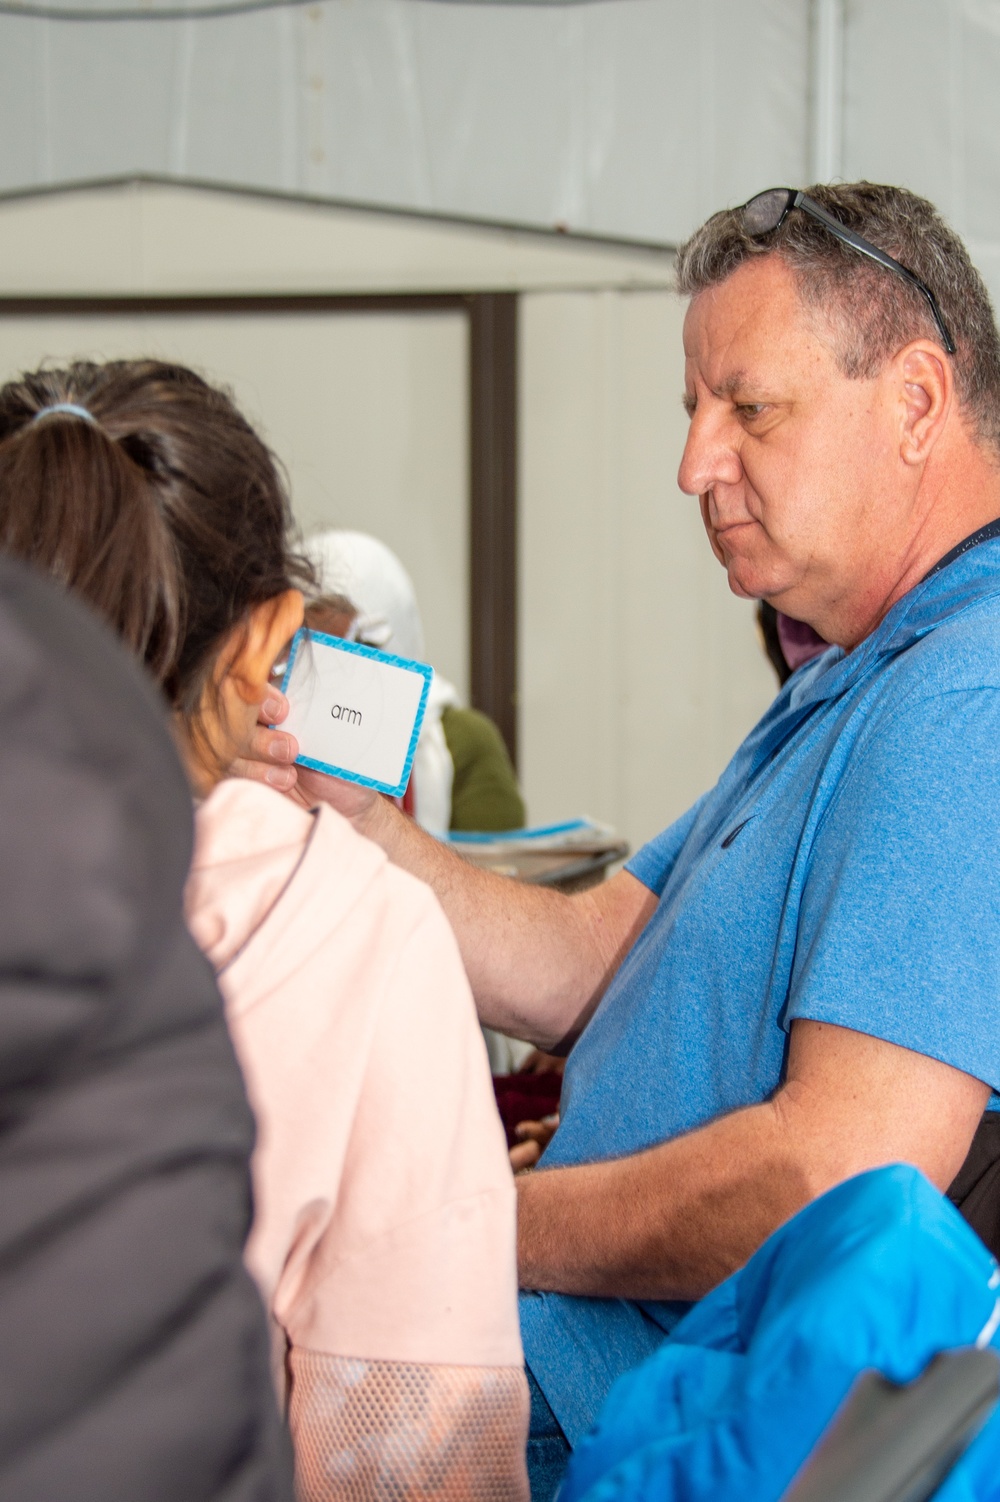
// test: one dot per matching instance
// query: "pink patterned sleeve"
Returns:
(390, 1431)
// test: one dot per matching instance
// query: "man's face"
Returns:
(794, 463)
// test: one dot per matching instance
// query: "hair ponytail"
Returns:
(166, 512)
(76, 504)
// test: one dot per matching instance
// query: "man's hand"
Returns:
(672, 1222)
(537, 1062)
(534, 1137)
(271, 758)
(271, 753)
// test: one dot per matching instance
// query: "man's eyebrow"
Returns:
(742, 382)
(738, 381)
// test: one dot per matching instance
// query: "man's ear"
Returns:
(268, 630)
(927, 389)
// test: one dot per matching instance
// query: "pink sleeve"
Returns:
(395, 1431)
(405, 1351)
(417, 1260)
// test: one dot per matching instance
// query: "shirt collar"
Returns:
(984, 534)
(970, 573)
(963, 577)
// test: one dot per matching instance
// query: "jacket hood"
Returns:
(252, 847)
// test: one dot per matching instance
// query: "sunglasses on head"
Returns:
(767, 211)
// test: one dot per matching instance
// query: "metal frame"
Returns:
(493, 320)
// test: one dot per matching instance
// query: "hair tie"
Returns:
(71, 408)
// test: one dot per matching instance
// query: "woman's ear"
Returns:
(267, 632)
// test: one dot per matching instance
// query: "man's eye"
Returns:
(750, 410)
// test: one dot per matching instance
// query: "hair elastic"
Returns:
(69, 407)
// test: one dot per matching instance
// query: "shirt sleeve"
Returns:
(405, 1356)
(417, 1261)
(394, 1431)
(899, 919)
(653, 863)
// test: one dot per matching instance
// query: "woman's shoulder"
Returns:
(264, 863)
(260, 859)
(244, 821)
(240, 818)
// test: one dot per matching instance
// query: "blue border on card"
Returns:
(426, 672)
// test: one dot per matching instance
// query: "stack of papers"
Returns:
(574, 834)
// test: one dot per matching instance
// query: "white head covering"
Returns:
(373, 579)
(376, 583)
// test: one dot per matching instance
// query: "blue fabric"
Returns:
(587, 1344)
(842, 869)
(548, 1450)
(881, 1272)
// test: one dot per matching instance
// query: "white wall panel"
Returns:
(640, 672)
(922, 108)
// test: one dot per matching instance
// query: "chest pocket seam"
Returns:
(738, 829)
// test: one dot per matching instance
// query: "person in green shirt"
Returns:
(484, 790)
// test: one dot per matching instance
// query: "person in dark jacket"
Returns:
(134, 1362)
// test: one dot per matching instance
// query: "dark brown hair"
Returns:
(332, 613)
(166, 511)
(874, 313)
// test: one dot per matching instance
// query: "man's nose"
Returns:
(710, 457)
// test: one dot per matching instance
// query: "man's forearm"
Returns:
(536, 959)
(669, 1223)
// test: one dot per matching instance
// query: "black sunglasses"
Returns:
(767, 211)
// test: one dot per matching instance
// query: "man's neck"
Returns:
(944, 516)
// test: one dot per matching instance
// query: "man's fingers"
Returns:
(270, 756)
(537, 1131)
(272, 745)
(282, 778)
(524, 1155)
(535, 1137)
(348, 798)
(274, 708)
(542, 1063)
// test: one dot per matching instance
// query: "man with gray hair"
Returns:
(800, 979)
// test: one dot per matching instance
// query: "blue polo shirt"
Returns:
(845, 868)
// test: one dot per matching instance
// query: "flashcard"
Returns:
(355, 712)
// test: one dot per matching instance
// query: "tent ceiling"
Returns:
(630, 118)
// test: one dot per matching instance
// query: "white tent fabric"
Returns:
(625, 118)
(629, 118)
(922, 107)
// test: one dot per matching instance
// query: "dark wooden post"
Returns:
(493, 511)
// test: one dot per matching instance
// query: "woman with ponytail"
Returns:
(383, 1235)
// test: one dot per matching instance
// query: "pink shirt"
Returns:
(384, 1233)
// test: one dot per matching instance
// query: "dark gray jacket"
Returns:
(133, 1346)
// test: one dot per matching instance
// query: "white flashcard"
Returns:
(355, 712)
